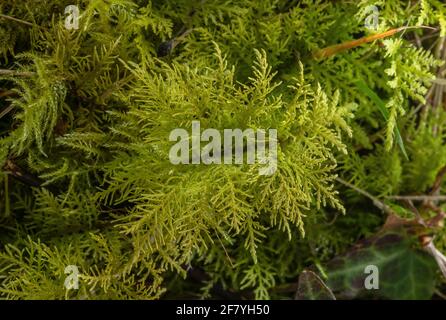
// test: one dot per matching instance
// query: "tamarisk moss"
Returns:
(86, 134)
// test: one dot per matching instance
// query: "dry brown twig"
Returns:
(4, 16)
(418, 197)
(6, 111)
(14, 73)
(378, 203)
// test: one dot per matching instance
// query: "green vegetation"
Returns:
(85, 117)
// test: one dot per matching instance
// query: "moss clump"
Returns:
(85, 118)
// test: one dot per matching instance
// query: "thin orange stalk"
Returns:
(332, 50)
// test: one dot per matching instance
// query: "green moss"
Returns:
(91, 183)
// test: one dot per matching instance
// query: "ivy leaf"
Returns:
(311, 287)
(404, 271)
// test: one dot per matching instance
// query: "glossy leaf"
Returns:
(404, 271)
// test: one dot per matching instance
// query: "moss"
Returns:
(85, 143)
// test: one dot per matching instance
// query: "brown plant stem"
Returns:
(4, 16)
(379, 204)
(332, 50)
(7, 72)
